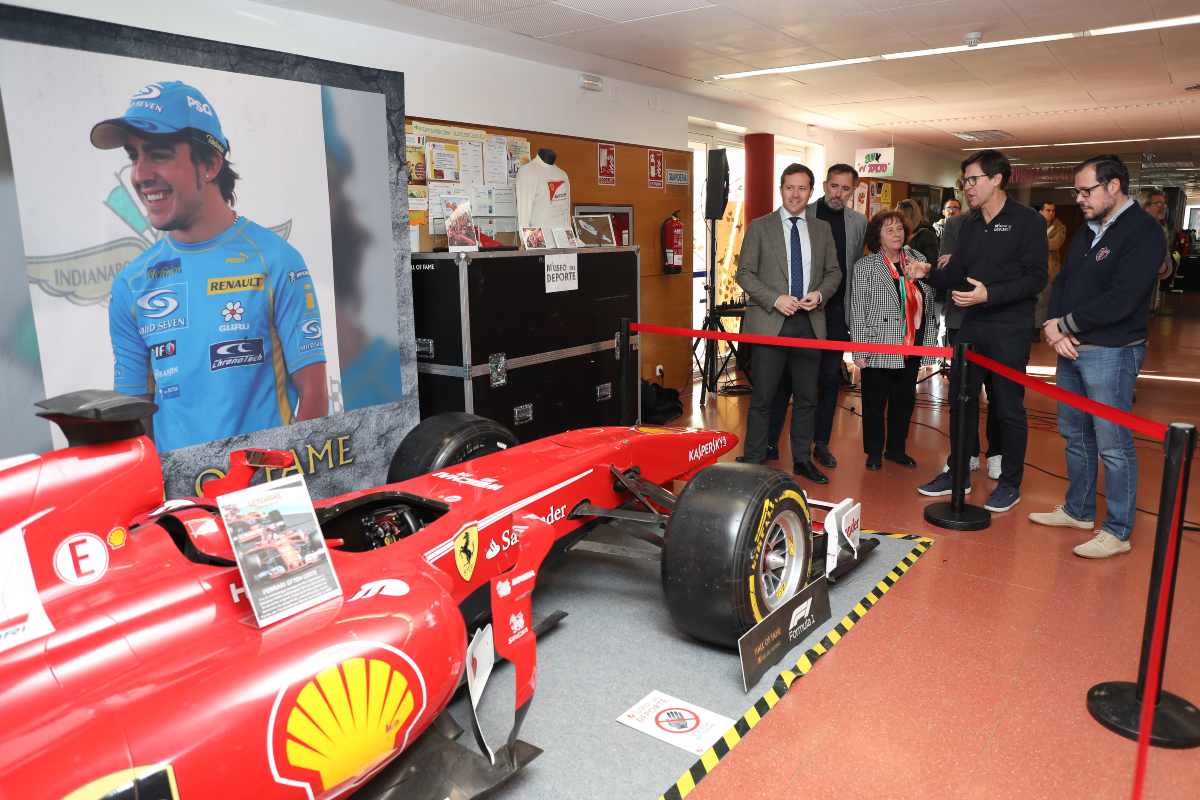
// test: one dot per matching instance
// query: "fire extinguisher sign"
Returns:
(655, 169)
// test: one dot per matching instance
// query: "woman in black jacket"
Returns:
(922, 237)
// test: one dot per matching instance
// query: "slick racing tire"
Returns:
(738, 545)
(446, 439)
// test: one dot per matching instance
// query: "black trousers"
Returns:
(888, 394)
(770, 366)
(1008, 344)
(995, 432)
(829, 383)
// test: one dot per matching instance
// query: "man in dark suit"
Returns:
(789, 268)
(849, 229)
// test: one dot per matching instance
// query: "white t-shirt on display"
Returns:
(543, 196)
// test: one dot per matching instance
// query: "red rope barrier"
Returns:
(787, 341)
(1148, 427)
(1154, 669)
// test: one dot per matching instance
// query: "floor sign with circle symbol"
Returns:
(676, 722)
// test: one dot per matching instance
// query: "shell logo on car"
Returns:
(341, 721)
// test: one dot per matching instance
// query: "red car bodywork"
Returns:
(155, 670)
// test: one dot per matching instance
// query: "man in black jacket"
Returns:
(1099, 307)
(995, 273)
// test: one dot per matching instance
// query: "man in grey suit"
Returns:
(849, 228)
(789, 267)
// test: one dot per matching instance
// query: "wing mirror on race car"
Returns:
(243, 464)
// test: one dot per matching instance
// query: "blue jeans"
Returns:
(1106, 375)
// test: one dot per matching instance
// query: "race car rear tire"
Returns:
(738, 545)
(446, 439)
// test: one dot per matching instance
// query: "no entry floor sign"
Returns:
(676, 722)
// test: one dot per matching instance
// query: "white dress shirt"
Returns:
(805, 244)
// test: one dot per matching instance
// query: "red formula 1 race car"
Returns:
(132, 665)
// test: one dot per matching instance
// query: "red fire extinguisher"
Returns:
(672, 244)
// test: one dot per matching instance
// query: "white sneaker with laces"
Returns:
(1059, 518)
(1102, 545)
(994, 467)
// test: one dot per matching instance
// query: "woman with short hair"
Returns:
(890, 303)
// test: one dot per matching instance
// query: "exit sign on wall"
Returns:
(875, 162)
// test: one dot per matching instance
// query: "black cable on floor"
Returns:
(1188, 525)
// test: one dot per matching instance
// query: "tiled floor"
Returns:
(969, 679)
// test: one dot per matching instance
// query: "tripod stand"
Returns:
(710, 371)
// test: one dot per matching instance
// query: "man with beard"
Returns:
(848, 227)
(1099, 310)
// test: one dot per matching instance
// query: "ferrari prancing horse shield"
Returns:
(466, 550)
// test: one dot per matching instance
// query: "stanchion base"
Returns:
(1116, 707)
(1114, 704)
(971, 518)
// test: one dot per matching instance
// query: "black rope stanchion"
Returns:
(1118, 705)
(626, 376)
(957, 515)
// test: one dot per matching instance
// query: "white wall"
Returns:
(500, 90)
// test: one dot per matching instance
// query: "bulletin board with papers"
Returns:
(448, 164)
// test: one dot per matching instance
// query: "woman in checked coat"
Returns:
(890, 303)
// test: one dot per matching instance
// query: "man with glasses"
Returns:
(950, 209)
(1099, 309)
(994, 274)
(1154, 202)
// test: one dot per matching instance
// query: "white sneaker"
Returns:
(1102, 545)
(974, 465)
(994, 467)
(1059, 518)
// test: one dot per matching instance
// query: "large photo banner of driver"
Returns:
(219, 242)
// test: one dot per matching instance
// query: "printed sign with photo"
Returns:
(279, 548)
(533, 238)
(595, 230)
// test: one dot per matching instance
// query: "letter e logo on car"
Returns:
(81, 559)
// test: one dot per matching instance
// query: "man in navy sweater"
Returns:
(1099, 306)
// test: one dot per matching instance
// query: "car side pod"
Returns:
(437, 766)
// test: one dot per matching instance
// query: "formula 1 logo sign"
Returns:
(353, 707)
(84, 277)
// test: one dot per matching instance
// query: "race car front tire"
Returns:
(738, 545)
(446, 439)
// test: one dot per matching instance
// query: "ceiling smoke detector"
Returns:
(985, 136)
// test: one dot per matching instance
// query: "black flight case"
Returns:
(505, 336)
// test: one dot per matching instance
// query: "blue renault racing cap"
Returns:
(164, 107)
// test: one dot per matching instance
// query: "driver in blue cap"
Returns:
(218, 321)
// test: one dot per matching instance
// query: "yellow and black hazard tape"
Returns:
(708, 762)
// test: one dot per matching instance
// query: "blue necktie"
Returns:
(799, 288)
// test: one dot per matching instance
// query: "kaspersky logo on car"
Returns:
(352, 707)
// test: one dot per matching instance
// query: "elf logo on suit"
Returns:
(788, 267)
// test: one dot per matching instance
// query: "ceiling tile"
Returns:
(626, 10)
(471, 10)
(544, 20)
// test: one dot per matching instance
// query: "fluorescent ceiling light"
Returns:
(1174, 22)
(1102, 141)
